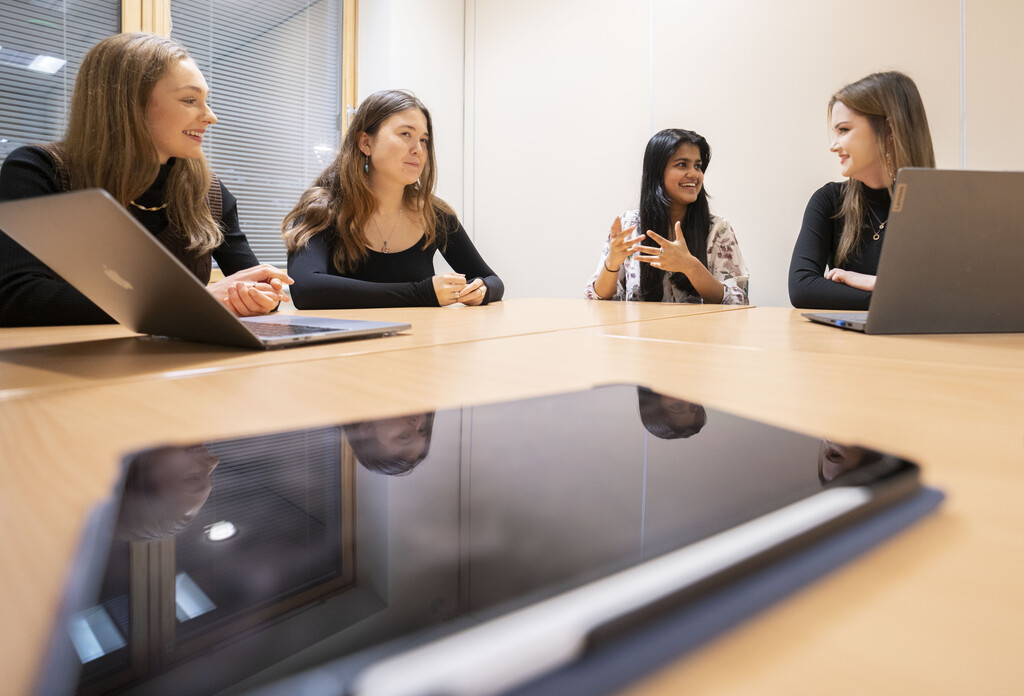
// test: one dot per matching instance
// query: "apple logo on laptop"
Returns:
(116, 277)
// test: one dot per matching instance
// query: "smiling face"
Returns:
(399, 150)
(177, 113)
(856, 143)
(684, 175)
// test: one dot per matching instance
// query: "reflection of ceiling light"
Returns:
(31, 61)
(219, 531)
(47, 64)
(189, 600)
(94, 634)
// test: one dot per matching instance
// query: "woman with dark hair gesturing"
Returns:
(697, 258)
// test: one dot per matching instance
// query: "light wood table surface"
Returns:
(35, 359)
(935, 610)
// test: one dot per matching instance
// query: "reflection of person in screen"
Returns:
(163, 492)
(835, 459)
(391, 446)
(669, 418)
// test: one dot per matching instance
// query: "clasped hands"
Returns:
(671, 256)
(452, 288)
(252, 292)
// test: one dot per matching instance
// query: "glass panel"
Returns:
(274, 71)
(35, 85)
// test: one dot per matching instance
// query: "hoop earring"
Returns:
(366, 167)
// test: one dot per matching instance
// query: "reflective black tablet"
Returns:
(462, 551)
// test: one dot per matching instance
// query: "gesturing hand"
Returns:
(621, 244)
(447, 287)
(253, 291)
(672, 256)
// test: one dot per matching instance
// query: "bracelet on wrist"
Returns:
(611, 270)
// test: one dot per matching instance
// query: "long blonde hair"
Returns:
(108, 143)
(893, 107)
(341, 196)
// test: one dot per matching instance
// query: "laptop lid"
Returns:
(953, 240)
(97, 246)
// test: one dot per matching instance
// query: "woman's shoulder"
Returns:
(39, 155)
(31, 170)
(832, 191)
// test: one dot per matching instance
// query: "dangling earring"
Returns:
(366, 167)
(892, 171)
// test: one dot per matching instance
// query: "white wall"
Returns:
(419, 45)
(542, 108)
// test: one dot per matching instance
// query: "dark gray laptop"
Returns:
(954, 240)
(97, 246)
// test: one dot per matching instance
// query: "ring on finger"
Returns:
(661, 250)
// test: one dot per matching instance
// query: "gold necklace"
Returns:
(152, 210)
(385, 249)
(881, 225)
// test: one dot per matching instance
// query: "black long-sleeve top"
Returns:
(33, 295)
(817, 244)
(398, 279)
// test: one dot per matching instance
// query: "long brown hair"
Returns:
(108, 143)
(341, 196)
(893, 107)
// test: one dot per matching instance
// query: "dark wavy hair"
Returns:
(654, 208)
(657, 422)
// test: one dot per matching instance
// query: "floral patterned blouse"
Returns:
(725, 261)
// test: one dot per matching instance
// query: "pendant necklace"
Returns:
(385, 249)
(881, 225)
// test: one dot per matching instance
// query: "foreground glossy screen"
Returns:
(237, 562)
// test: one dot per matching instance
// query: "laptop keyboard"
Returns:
(265, 330)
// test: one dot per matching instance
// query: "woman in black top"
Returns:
(135, 128)
(365, 234)
(879, 126)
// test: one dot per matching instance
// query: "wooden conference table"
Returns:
(937, 610)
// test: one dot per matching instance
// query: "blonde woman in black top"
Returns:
(138, 116)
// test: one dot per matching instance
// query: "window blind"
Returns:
(35, 85)
(274, 70)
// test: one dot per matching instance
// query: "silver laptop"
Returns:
(954, 241)
(97, 246)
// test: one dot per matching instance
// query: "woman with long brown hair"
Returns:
(879, 126)
(365, 233)
(138, 116)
